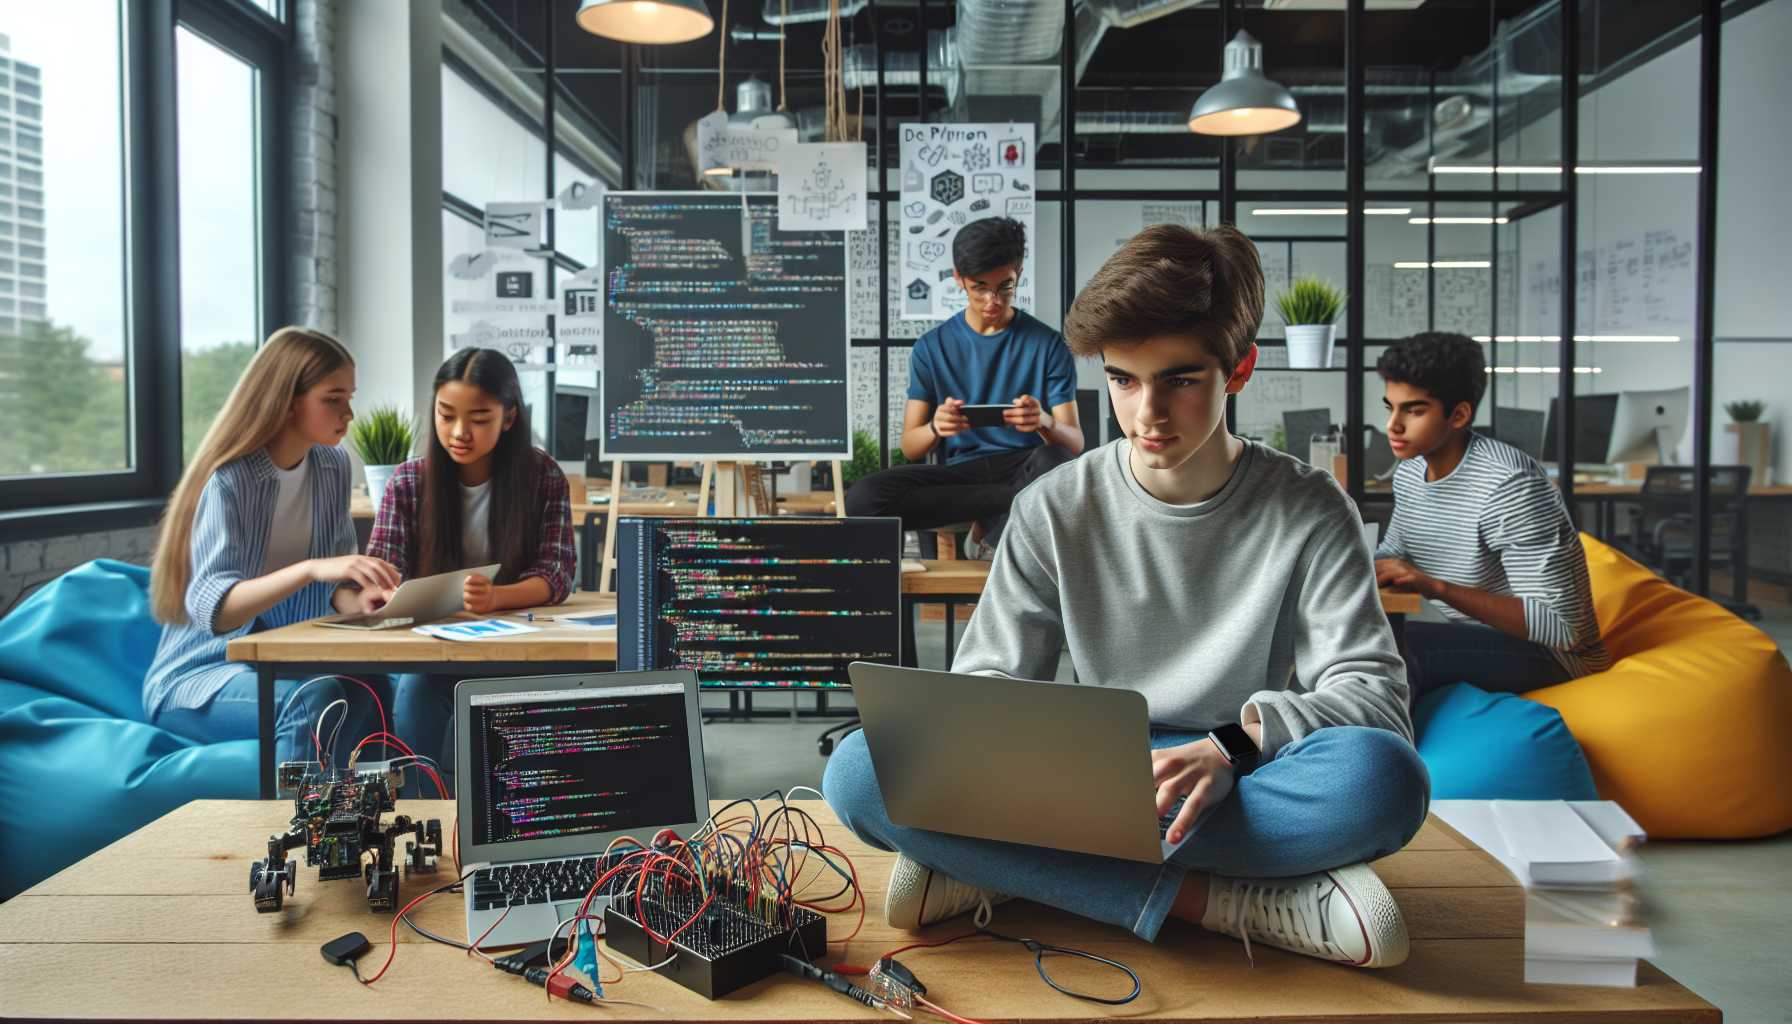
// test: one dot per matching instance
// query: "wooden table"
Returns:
(160, 926)
(591, 516)
(960, 581)
(307, 649)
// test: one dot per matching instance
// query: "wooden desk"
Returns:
(159, 926)
(307, 649)
(960, 581)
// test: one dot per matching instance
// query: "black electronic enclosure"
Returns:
(733, 943)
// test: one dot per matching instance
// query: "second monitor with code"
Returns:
(749, 604)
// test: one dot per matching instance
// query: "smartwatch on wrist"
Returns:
(1236, 746)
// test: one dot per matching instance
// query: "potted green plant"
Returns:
(382, 438)
(1753, 439)
(866, 456)
(1309, 308)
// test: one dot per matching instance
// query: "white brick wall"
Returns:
(314, 164)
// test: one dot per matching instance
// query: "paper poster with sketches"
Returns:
(742, 147)
(821, 187)
(513, 225)
(953, 174)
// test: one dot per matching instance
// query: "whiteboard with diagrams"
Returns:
(953, 174)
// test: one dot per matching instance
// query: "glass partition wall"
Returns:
(1499, 141)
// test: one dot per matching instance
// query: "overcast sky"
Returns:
(75, 43)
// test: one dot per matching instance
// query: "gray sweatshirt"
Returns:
(1258, 604)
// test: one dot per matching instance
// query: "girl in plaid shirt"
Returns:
(483, 493)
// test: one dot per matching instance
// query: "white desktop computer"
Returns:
(1648, 425)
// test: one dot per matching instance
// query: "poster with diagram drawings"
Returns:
(863, 294)
(821, 187)
(953, 174)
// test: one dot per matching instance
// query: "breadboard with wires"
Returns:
(712, 943)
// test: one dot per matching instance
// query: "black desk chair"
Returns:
(1661, 533)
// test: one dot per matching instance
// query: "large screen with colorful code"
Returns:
(751, 604)
(724, 338)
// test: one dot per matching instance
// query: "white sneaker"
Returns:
(1346, 915)
(919, 895)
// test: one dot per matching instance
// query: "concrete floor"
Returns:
(1716, 907)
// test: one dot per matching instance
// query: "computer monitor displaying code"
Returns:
(723, 336)
(556, 763)
(749, 604)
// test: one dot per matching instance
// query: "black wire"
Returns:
(432, 936)
(1040, 949)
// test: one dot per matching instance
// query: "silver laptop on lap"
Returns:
(1057, 765)
(424, 599)
(550, 770)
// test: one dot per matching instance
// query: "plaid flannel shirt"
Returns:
(395, 529)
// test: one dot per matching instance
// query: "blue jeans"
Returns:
(423, 716)
(1441, 653)
(1336, 797)
(232, 714)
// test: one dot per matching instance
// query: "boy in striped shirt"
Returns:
(1481, 531)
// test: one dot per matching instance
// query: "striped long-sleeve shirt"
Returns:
(230, 541)
(1498, 524)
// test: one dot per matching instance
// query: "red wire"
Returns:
(393, 941)
(473, 950)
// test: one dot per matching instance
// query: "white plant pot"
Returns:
(377, 476)
(1310, 346)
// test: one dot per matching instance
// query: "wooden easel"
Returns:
(740, 491)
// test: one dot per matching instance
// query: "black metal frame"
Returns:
(70, 503)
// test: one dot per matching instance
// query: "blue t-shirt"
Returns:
(1026, 358)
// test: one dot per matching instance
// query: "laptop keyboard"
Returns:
(536, 882)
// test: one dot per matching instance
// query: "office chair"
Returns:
(1661, 533)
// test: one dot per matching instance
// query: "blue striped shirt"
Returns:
(230, 541)
(1497, 523)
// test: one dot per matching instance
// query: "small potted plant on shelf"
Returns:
(1309, 309)
(383, 439)
(1753, 440)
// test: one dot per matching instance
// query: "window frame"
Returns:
(63, 503)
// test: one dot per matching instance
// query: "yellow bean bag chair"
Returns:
(1691, 728)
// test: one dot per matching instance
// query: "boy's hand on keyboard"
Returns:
(1194, 770)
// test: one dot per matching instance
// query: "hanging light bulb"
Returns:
(646, 21)
(1244, 102)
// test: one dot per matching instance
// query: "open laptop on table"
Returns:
(550, 770)
(424, 599)
(1058, 765)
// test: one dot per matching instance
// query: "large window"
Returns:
(65, 356)
(141, 245)
(220, 265)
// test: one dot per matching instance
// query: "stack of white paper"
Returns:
(1583, 921)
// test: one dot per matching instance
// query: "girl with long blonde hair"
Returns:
(257, 535)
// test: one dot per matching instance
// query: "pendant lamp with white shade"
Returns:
(646, 21)
(1244, 102)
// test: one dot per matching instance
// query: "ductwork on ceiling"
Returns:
(1000, 62)
(1001, 56)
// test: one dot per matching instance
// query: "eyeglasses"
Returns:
(984, 292)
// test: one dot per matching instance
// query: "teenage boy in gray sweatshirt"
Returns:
(1229, 584)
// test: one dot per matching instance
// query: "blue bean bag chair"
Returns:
(1496, 746)
(79, 767)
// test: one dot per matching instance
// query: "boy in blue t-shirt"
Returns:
(990, 354)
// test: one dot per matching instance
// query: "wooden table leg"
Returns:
(264, 706)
